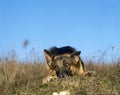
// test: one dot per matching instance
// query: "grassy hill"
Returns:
(25, 78)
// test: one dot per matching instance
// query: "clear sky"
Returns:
(87, 25)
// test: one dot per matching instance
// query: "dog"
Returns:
(63, 61)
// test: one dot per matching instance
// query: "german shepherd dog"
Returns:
(63, 61)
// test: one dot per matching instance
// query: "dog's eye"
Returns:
(56, 67)
(67, 66)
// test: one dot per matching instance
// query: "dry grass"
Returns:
(23, 78)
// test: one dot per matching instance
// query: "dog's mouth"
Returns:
(63, 74)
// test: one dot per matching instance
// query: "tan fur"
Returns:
(76, 70)
(49, 78)
(66, 55)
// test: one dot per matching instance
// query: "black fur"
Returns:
(62, 50)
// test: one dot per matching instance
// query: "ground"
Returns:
(18, 78)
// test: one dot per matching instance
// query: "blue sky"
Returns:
(88, 25)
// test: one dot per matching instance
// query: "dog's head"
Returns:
(60, 64)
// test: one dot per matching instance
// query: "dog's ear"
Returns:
(75, 56)
(48, 57)
(76, 53)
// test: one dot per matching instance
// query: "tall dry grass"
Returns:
(25, 78)
(15, 74)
